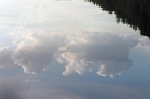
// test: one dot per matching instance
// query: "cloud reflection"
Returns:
(35, 53)
(5, 57)
(106, 53)
(11, 89)
(103, 53)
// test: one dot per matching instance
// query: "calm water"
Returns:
(93, 49)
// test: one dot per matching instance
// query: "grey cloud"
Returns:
(51, 94)
(35, 53)
(108, 91)
(106, 53)
(144, 42)
(16, 88)
(6, 57)
(11, 89)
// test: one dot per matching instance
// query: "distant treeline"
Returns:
(135, 13)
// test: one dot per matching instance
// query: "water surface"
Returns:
(75, 49)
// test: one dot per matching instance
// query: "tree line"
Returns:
(135, 13)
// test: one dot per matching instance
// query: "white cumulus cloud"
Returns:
(107, 54)
(35, 53)
(103, 53)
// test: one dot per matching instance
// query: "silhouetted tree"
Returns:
(136, 13)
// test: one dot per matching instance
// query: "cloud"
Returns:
(105, 53)
(144, 43)
(16, 88)
(5, 57)
(109, 91)
(35, 52)
(11, 89)
(51, 93)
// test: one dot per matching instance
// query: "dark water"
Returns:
(93, 49)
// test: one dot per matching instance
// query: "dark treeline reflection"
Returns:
(135, 13)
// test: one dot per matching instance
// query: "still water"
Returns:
(78, 49)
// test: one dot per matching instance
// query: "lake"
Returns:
(74, 49)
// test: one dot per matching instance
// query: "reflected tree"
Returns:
(135, 13)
